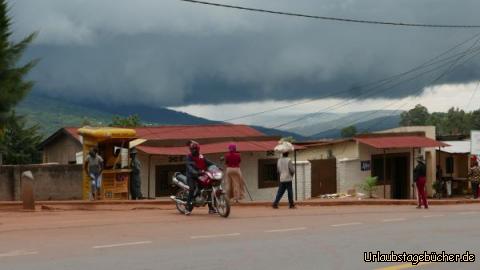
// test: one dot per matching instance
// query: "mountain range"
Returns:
(325, 124)
(53, 113)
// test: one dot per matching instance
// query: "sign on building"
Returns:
(365, 165)
(475, 145)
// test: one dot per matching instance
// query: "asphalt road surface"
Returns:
(252, 238)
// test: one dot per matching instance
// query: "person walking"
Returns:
(474, 176)
(286, 170)
(93, 167)
(235, 184)
(136, 181)
(420, 178)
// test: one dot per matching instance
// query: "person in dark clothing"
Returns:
(420, 178)
(474, 176)
(136, 181)
(196, 164)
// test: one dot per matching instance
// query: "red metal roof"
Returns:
(213, 148)
(400, 142)
(73, 131)
(188, 132)
(196, 132)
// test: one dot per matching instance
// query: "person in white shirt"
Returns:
(286, 170)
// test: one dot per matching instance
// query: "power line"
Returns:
(379, 83)
(347, 20)
(448, 70)
(344, 103)
(452, 67)
(428, 63)
(350, 101)
(472, 97)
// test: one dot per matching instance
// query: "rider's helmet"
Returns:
(194, 148)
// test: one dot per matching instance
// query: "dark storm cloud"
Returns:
(170, 53)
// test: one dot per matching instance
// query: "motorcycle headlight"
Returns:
(217, 175)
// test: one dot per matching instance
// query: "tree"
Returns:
(349, 132)
(129, 121)
(417, 116)
(13, 86)
(19, 143)
(457, 122)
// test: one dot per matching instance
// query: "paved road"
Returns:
(253, 238)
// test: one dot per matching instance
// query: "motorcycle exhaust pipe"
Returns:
(180, 184)
(177, 200)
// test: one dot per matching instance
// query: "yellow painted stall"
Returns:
(113, 147)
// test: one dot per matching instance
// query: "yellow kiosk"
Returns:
(113, 147)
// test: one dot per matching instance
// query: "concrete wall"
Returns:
(52, 182)
(340, 150)
(347, 175)
(61, 151)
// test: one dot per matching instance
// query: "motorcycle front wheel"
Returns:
(223, 206)
(181, 195)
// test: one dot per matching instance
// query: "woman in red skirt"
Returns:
(420, 178)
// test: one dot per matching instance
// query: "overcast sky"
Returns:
(181, 55)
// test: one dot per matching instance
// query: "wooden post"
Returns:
(411, 172)
(384, 173)
(28, 195)
(295, 159)
(149, 163)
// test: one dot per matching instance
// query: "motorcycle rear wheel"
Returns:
(222, 205)
(182, 195)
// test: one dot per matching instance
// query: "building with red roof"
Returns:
(164, 151)
(341, 166)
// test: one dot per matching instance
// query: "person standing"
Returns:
(235, 183)
(420, 178)
(474, 176)
(93, 167)
(135, 180)
(286, 170)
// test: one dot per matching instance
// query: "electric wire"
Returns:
(450, 69)
(473, 96)
(428, 63)
(344, 103)
(327, 18)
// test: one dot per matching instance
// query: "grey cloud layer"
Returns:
(170, 53)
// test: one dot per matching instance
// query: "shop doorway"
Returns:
(163, 179)
(397, 173)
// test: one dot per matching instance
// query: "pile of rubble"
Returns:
(344, 195)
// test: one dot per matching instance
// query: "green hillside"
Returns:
(51, 114)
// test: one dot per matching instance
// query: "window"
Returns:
(267, 173)
(449, 165)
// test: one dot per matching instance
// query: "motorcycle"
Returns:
(208, 190)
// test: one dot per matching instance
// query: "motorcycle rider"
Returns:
(196, 164)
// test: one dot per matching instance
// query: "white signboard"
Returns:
(475, 137)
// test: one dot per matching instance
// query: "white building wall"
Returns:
(249, 167)
(348, 176)
(304, 183)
